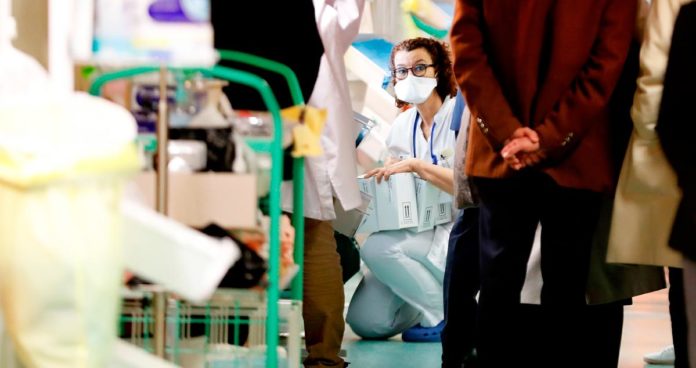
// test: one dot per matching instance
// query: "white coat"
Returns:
(647, 194)
(334, 173)
(400, 145)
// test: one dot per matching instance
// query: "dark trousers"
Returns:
(322, 307)
(461, 284)
(677, 313)
(510, 210)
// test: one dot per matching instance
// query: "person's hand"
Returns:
(522, 133)
(378, 173)
(404, 166)
(395, 167)
(522, 149)
(520, 153)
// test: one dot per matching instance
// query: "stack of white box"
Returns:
(404, 202)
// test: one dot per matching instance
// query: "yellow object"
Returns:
(60, 272)
(64, 138)
(426, 11)
(307, 135)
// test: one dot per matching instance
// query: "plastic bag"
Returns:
(249, 269)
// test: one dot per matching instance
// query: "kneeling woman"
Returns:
(402, 292)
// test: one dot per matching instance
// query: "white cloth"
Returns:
(400, 140)
(375, 312)
(398, 259)
(647, 194)
(400, 145)
(334, 172)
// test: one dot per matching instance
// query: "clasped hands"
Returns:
(395, 166)
(522, 149)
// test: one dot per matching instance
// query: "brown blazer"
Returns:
(548, 64)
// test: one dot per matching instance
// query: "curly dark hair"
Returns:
(439, 51)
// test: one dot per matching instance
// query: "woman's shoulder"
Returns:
(446, 110)
(404, 118)
(400, 129)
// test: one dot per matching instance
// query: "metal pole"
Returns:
(160, 297)
(298, 221)
(160, 308)
(162, 143)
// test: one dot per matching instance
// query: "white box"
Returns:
(428, 200)
(393, 206)
(195, 263)
(369, 223)
(348, 222)
(444, 209)
(396, 202)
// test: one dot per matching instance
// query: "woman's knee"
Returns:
(378, 248)
(367, 327)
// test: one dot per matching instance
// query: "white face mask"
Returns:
(415, 90)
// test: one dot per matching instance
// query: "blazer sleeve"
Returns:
(480, 87)
(675, 125)
(590, 92)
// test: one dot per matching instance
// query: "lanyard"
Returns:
(433, 156)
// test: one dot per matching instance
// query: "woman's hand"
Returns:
(395, 167)
(378, 173)
(409, 165)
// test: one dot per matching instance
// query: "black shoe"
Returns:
(471, 360)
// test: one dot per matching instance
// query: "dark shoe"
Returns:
(470, 361)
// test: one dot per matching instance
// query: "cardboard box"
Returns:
(396, 205)
(198, 199)
(445, 208)
(428, 200)
(369, 223)
(393, 204)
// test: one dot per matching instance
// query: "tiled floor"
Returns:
(646, 329)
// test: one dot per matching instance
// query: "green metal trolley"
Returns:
(210, 335)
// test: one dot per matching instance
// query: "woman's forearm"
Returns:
(441, 177)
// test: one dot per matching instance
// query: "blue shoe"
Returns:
(419, 333)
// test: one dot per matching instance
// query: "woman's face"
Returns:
(418, 61)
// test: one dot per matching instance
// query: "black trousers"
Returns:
(461, 284)
(510, 210)
(677, 313)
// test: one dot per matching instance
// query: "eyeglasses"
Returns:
(418, 70)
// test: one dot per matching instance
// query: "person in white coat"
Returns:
(647, 194)
(402, 292)
(311, 37)
(328, 176)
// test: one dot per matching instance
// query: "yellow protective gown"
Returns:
(63, 161)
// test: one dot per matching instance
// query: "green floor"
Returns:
(395, 353)
(390, 353)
